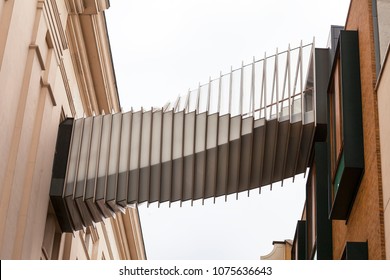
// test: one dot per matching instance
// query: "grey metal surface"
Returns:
(193, 149)
(232, 155)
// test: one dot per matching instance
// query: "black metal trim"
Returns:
(58, 175)
(299, 245)
(355, 251)
(351, 168)
(324, 224)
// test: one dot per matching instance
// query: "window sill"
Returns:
(346, 182)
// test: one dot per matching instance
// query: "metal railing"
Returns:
(265, 88)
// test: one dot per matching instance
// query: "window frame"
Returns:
(345, 126)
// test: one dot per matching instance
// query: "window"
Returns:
(336, 119)
(345, 126)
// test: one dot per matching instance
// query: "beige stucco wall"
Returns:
(29, 132)
(40, 83)
(383, 8)
(281, 251)
(78, 247)
(384, 128)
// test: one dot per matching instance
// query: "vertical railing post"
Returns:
(187, 104)
(264, 86)
(241, 103)
(286, 83)
(197, 100)
(219, 92)
(277, 84)
(208, 97)
(301, 84)
(289, 83)
(252, 98)
(314, 82)
(175, 105)
(230, 89)
(296, 80)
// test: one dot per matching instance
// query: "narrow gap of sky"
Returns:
(161, 48)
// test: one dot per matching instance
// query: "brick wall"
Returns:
(366, 219)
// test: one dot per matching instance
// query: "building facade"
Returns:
(55, 62)
(281, 251)
(346, 213)
(382, 89)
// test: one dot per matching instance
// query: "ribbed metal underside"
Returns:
(126, 158)
(246, 129)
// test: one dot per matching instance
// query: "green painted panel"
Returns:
(339, 175)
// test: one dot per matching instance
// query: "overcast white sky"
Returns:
(161, 48)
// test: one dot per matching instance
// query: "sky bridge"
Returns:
(244, 130)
